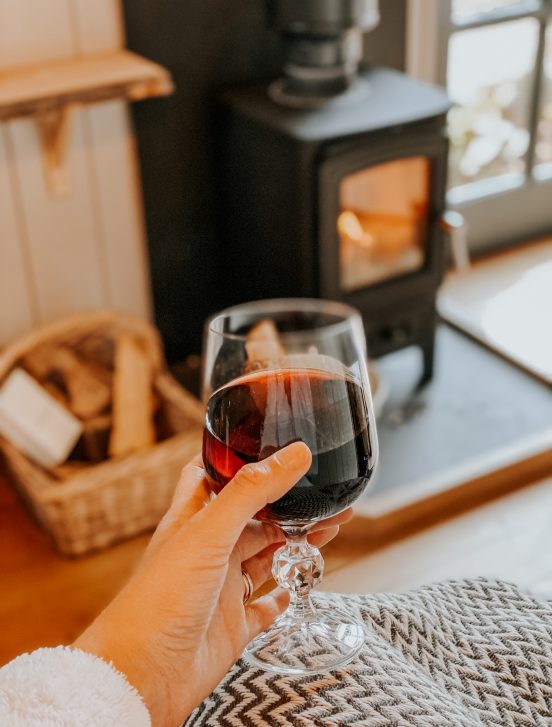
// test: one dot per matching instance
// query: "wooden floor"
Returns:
(46, 599)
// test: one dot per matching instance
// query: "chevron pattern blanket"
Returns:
(456, 654)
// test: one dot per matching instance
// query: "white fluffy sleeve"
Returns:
(63, 686)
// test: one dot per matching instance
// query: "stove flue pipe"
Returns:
(323, 41)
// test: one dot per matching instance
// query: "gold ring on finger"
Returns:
(248, 583)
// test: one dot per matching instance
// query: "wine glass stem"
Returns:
(298, 567)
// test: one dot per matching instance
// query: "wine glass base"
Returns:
(290, 647)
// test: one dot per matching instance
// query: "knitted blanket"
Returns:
(454, 654)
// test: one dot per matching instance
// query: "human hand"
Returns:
(180, 623)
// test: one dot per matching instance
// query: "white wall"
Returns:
(84, 250)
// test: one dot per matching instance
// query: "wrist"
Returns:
(125, 652)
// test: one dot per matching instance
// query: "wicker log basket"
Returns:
(120, 497)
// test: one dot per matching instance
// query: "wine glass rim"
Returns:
(272, 305)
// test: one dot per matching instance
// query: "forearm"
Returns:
(123, 637)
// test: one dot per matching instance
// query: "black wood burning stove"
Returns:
(338, 196)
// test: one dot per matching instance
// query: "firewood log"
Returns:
(87, 395)
(133, 427)
(70, 469)
(34, 422)
(93, 446)
(263, 342)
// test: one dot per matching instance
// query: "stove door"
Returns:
(380, 201)
(382, 222)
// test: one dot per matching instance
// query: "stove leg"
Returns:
(428, 349)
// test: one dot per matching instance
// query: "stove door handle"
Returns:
(455, 225)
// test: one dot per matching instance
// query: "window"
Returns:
(543, 145)
(495, 59)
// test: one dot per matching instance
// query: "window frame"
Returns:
(508, 212)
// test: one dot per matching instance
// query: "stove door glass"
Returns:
(383, 221)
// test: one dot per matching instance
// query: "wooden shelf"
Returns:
(48, 92)
(42, 88)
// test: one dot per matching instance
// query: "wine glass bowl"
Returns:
(277, 372)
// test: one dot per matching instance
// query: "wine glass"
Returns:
(275, 372)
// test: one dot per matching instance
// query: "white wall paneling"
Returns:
(114, 169)
(86, 249)
(17, 303)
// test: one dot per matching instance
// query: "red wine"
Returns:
(254, 416)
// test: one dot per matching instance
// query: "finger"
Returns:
(253, 487)
(259, 566)
(256, 537)
(192, 490)
(339, 519)
(261, 613)
(322, 537)
(191, 494)
(259, 535)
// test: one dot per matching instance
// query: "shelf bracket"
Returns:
(54, 126)
(50, 92)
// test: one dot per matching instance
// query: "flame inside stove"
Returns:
(382, 225)
(349, 227)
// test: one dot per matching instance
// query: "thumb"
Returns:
(253, 487)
